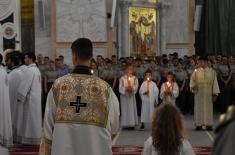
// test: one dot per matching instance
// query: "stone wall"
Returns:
(180, 36)
(65, 20)
(42, 27)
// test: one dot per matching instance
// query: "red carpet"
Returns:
(136, 150)
(117, 150)
(24, 150)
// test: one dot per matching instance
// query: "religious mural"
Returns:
(152, 1)
(143, 31)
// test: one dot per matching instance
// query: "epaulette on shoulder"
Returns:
(226, 119)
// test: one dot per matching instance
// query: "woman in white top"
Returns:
(169, 90)
(168, 135)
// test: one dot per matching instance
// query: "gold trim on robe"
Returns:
(45, 146)
(81, 99)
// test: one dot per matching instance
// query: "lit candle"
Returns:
(168, 84)
(129, 81)
(92, 71)
(148, 79)
(195, 75)
(195, 80)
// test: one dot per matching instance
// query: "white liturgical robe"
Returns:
(19, 120)
(166, 98)
(29, 94)
(149, 100)
(5, 111)
(15, 77)
(206, 81)
(82, 113)
(129, 117)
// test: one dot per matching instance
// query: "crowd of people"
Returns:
(111, 70)
(140, 84)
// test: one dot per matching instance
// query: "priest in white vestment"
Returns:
(149, 96)
(5, 111)
(20, 107)
(205, 87)
(128, 87)
(15, 77)
(169, 90)
(29, 94)
(82, 111)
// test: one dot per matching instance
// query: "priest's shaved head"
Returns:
(82, 50)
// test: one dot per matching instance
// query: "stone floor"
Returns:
(137, 137)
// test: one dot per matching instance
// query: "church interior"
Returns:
(160, 37)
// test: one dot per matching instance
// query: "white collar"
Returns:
(32, 65)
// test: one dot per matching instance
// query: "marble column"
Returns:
(163, 8)
(1, 40)
(42, 27)
(125, 29)
(17, 21)
(119, 46)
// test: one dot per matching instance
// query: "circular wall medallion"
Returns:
(8, 30)
(5, 8)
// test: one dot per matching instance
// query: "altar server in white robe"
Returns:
(5, 111)
(169, 90)
(149, 96)
(15, 77)
(29, 94)
(128, 87)
(82, 111)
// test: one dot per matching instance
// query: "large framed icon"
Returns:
(143, 37)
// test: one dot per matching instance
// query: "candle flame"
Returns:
(129, 78)
(168, 84)
(92, 71)
(148, 79)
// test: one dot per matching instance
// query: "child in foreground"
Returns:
(168, 136)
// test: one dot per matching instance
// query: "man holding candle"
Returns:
(128, 87)
(149, 96)
(205, 87)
